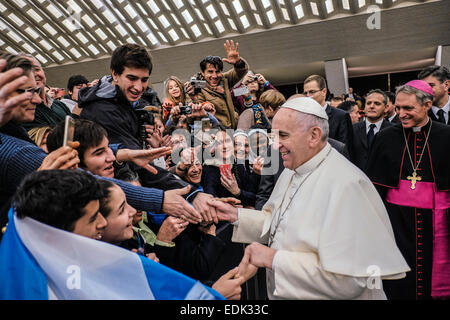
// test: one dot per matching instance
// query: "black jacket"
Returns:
(340, 126)
(434, 118)
(106, 105)
(195, 253)
(211, 184)
(360, 147)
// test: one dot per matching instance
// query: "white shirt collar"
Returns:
(392, 117)
(446, 108)
(312, 163)
(377, 125)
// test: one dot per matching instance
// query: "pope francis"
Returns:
(324, 232)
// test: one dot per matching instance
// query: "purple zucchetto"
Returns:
(421, 85)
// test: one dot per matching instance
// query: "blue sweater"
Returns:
(18, 158)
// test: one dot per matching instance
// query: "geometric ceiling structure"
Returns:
(67, 31)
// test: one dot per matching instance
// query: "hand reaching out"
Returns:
(258, 165)
(171, 228)
(229, 285)
(230, 183)
(232, 52)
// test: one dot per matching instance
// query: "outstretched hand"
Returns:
(232, 52)
(175, 205)
(229, 285)
(143, 157)
(224, 211)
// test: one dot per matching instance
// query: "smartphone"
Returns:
(206, 124)
(69, 128)
(225, 170)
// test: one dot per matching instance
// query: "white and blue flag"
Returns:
(39, 262)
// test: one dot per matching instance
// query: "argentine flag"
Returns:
(39, 262)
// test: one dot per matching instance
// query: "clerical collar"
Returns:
(418, 129)
(312, 163)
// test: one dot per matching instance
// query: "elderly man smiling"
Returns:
(327, 232)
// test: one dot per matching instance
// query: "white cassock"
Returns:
(332, 234)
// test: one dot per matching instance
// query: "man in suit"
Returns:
(364, 132)
(438, 77)
(389, 111)
(339, 121)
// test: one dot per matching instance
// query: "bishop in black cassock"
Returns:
(414, 182)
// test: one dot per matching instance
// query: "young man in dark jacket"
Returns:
(111, 103)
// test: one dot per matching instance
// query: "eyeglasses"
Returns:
(310, 92)
(32, 90)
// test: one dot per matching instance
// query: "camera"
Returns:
(198, 84)
(185, 110)
(144, 118)
(255, 78)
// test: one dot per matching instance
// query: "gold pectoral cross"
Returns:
(414, 179)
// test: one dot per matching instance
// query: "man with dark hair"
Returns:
(51, 259)
(438, 77)
(351, 107)
(111, 104)
(364, 132)
(219, 84)
(64, 199)
(389, 111)
(74, 85)
(339, 121)
(335, 101)
(408, 164)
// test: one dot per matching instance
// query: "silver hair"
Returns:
(421, 97)
(27, 55)
(307, 121)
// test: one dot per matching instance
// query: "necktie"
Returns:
(370, 134)
(440, 115)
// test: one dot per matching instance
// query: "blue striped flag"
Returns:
(39, 262)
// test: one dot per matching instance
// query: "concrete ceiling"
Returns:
(287, 54)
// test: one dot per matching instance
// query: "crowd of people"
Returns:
(321, 187)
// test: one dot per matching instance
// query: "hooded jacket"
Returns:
(106, 105)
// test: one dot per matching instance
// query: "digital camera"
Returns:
(198, 84)
(185, 110)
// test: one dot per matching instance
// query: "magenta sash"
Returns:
(426, 196)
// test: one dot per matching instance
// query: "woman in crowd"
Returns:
(256, 84)
(261, 114)
(222, 177)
